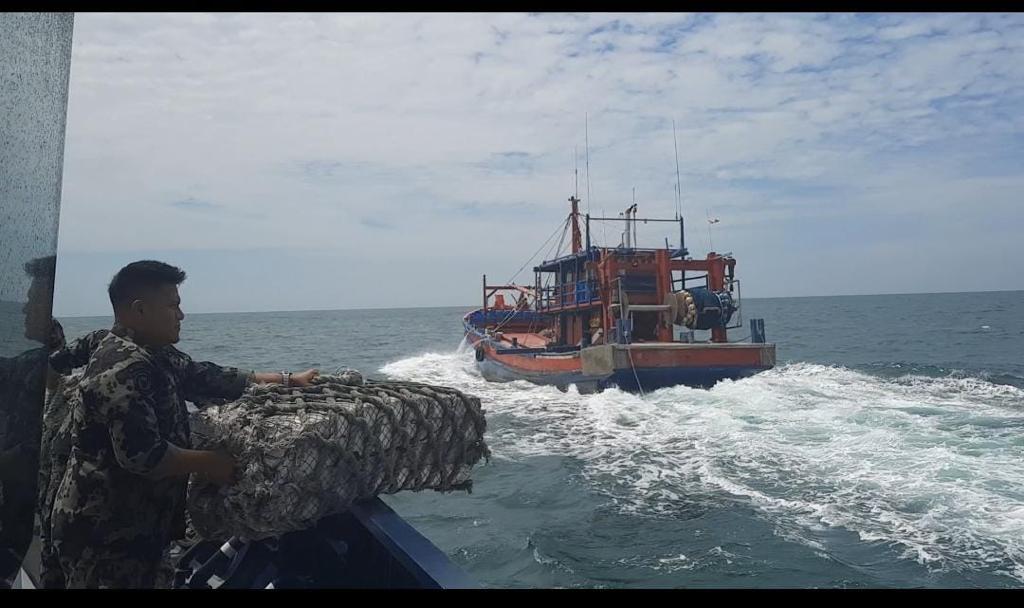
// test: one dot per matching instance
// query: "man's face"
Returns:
(160, 317)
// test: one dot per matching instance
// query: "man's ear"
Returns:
(137, 307)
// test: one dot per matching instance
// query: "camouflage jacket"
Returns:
(76, 354)
(22, 387)
(131, 404)
(57, 429)
(22, 383)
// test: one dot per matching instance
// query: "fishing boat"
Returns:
(623, 316)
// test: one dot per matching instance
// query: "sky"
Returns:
(328, 161)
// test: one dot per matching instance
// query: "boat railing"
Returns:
(573, 293)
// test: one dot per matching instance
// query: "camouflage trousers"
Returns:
(94, 575)
(95, 556)
(98, 569)
(109, 568)
(50, 574)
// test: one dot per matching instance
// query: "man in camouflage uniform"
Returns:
(22, 385)
(56, 444)
(121, 498)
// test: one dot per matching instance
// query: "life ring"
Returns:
(479, 353)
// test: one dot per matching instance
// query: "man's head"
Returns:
(40, 298)
(145, 298)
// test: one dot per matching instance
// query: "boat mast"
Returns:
(574, 215)
(586, 135)
(679, 187)
(577, 244)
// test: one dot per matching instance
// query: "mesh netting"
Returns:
(306, 453)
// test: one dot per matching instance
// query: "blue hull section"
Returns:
(368, 547)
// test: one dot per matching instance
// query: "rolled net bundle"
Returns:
(304, 453)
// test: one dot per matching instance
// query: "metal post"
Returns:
(35, 65)
(682, 248)
(682, 237)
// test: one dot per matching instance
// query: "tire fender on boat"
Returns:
(479, 353)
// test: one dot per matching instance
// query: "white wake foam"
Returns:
(929, 465)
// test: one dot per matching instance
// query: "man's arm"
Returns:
(77, 354)
(210, 380)
(217, 467)
(299, 379)
(128, 406)
(204, 380)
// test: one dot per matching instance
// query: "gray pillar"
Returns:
(35, 62)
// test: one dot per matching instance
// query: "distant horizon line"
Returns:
(468, 306)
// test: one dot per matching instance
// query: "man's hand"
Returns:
(305, 378)
(220, 469)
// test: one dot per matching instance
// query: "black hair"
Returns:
(140, 276)
(42, 268)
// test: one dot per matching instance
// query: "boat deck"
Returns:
(525, 340)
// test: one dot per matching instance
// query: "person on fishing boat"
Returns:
(121, 499)
(596, 332)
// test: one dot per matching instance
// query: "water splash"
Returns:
(928, 465)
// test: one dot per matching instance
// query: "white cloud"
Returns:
(294, 127)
